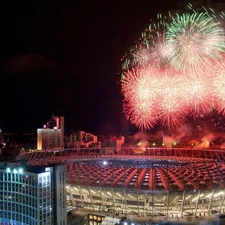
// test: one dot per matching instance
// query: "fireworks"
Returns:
(140, 88)
(197, 38)
(176, 69)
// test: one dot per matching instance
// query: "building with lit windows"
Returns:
(32, 195)
(114, 143)
(52, 134)
(82, 139)
(86, 137)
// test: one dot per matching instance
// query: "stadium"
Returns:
(160, 182)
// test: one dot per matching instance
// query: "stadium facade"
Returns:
(172, 183)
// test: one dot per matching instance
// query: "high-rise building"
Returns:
(32, 195)
(113, 142)
(82, 139)
(52, 134)
(2, 143)
(1, 137)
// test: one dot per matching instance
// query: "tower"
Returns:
(51, 136)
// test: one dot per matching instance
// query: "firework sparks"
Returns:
(176, 69)
(140, 92)
(172, 107)
(197, 38)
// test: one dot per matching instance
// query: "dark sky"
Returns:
(64, 57)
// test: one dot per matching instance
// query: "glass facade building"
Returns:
(32, 195)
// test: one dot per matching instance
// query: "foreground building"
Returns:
(32, 195)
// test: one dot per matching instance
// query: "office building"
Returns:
(51, 136)
(32, 195)
(83, 139)
(114, 143)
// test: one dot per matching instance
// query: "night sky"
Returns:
(64, 57)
